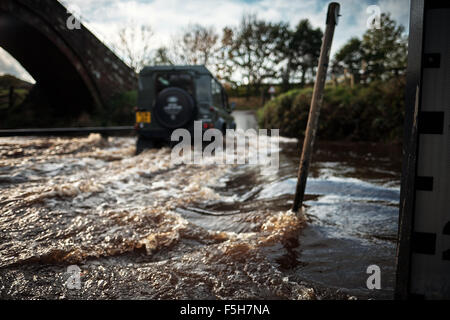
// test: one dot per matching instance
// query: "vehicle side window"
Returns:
(216, 94)
(203, 87)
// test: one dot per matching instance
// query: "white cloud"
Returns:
(9, 65)
(168, 17)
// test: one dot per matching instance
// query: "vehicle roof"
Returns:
(200, 69)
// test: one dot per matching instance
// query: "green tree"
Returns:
(384, 50)
(349, 59)
(303, 51)
(256, 50)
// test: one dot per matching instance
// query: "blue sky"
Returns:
(168, 17)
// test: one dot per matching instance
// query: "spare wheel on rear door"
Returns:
(174, 108)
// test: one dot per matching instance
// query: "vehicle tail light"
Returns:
(208, 125)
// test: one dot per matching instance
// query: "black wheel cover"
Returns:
(174, 108)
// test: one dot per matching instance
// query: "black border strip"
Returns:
(410, 145)
(431, 122)
(424, 243)
(432, 60)
(446, 230)
(424, 183)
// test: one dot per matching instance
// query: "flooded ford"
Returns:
(142, 227)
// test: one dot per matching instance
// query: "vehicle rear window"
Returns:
(180, 80)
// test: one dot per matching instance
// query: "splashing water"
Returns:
(142, 227)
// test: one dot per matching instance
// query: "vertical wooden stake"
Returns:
(316, 103)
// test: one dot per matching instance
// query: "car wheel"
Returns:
(224, 129)
(143, 144)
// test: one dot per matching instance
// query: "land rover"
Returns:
(172, 97)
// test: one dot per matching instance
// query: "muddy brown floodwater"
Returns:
(140, 227)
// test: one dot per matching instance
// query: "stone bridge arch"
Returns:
(73, 67)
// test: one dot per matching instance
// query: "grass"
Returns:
(19, 97)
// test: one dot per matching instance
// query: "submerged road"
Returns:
(141, 227)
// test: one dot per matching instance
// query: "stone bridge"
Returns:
(70, 65)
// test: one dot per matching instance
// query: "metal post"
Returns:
(316, 102)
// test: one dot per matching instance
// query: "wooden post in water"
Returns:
(316, 102)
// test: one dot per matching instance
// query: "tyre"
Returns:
(224, 129)
(143, 144)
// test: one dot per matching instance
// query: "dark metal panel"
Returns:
(423, 248)
(407, 193)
